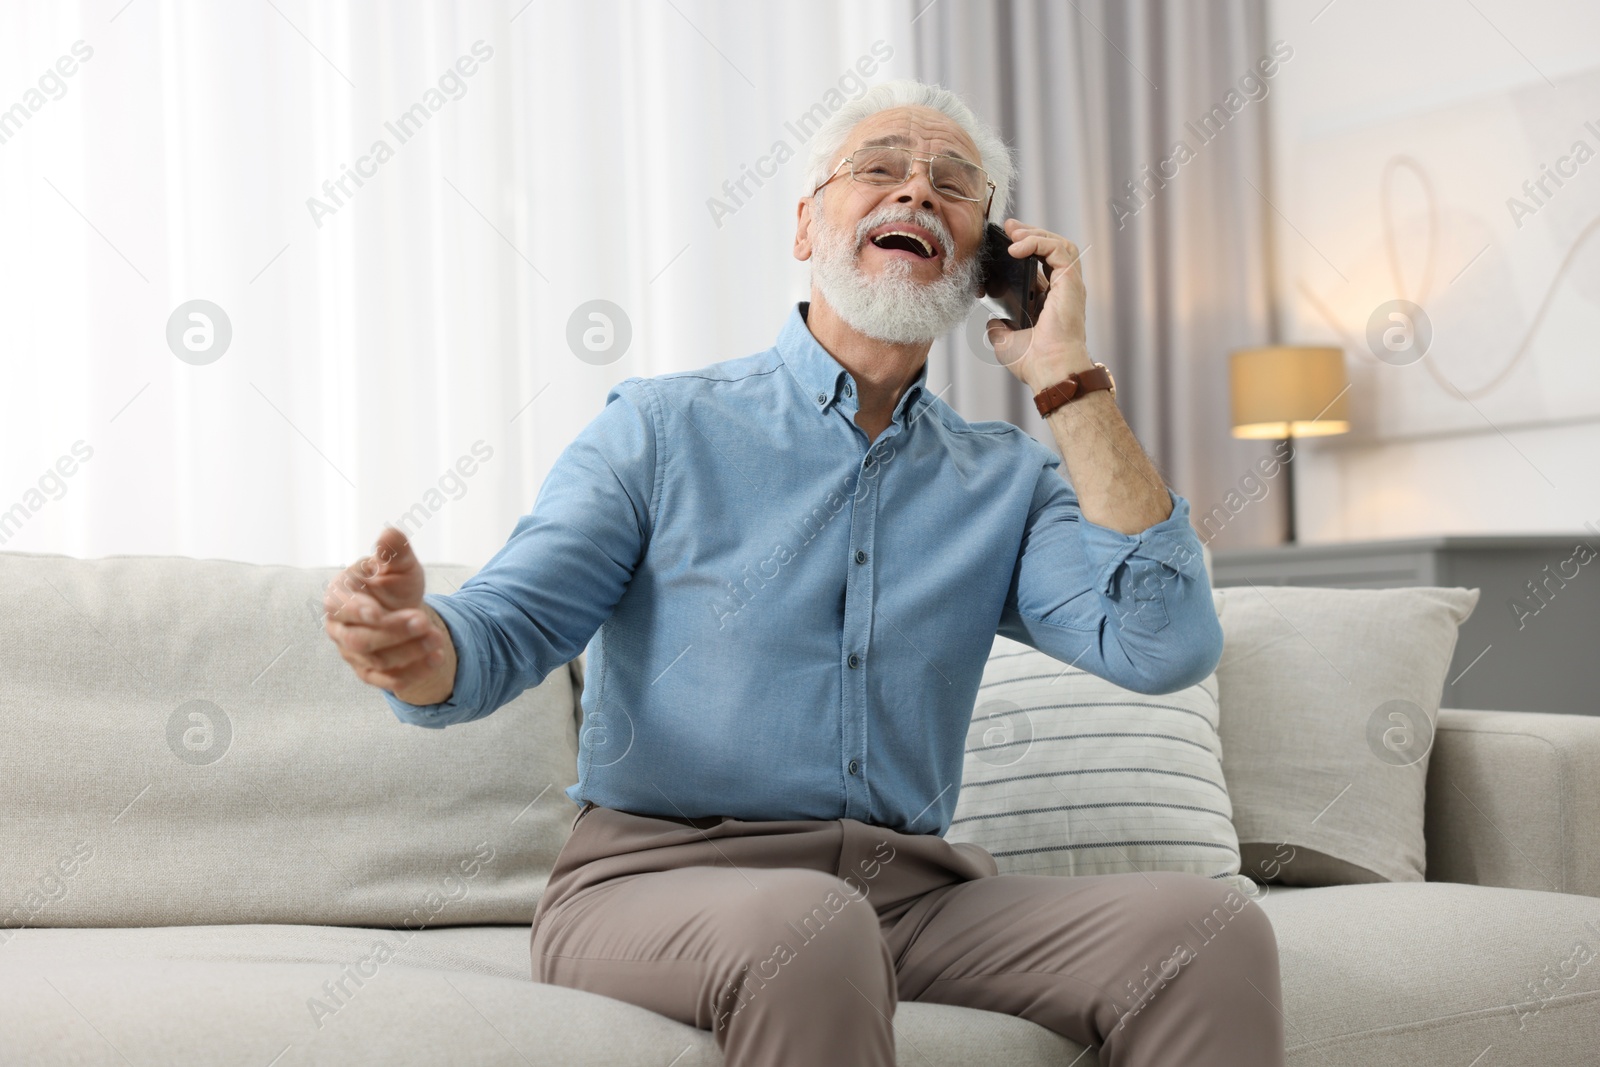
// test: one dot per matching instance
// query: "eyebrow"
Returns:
(900, 140)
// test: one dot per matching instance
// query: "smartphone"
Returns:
(1012, 288)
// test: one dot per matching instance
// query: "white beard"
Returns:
(893, 306)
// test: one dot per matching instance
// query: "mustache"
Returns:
(926, 219)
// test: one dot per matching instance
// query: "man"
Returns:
(793, 566)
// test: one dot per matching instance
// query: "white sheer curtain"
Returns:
(387, 342)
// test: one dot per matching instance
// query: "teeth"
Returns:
(927, 249)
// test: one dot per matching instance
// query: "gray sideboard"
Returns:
(1542, 657)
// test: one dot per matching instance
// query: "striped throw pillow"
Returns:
(1068, 774)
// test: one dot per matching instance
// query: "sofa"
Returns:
(220, 847)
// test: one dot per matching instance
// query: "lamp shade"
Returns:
(1288, 391)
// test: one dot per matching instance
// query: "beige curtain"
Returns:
(1090, 92)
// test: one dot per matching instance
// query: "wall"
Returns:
(1460, 103)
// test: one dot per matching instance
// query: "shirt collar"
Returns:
(823, 379)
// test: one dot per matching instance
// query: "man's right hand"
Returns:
(378, 622)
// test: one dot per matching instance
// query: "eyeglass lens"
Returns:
(891, 166)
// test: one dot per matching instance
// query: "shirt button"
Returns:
(861, 557)
(848, 391)
(854, 661)
(822, 398)
(854, 766)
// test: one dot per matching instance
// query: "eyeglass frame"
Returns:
(910, 170)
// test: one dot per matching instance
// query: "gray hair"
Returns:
(993, 153)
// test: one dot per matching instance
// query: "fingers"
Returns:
(393, 550)
(1000, 334)
(346, 605)
(1035, 241)
(387, 645)
(419, 650)
(390, 629)
(347, 587)
(1019, 230)
(369, 648)
(395, 678)
(1057, 251)
(390, 576)
(354, 585)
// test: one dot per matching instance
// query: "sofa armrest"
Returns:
(1514, 800)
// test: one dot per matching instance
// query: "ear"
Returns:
(802, 230)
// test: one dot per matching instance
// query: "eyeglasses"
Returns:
(951, 176)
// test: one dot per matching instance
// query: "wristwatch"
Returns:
(1074, 386)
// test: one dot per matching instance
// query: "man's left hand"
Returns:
(1056, 346)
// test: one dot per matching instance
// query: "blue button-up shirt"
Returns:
(786, 621)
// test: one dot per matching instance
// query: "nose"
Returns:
(920, 181)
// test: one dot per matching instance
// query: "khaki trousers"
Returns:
(793, 940)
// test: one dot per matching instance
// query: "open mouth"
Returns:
(900, 240)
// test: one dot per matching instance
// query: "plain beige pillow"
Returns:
(1328, 703)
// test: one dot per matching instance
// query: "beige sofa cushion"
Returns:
(1069, 774)
(183, 745)
(1329, 699)
(1424, 974)
(285, 995)
(1432, 974)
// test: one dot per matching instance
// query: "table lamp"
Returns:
(1284, 391)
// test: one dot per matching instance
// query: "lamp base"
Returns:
(1288, 492)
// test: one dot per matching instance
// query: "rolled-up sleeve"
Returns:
(534, 606)
(1135, 609)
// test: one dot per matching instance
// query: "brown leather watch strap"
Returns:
(1075, 385)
